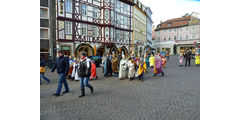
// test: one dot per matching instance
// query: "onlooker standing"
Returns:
(108, 66)
(43, 70)
(197, 61)
(115, 64)
(151, 59)
(167, 55)
(123, 68)
(62, 65)
(84, 72)
(181, 58)
(188, 58)
(146, 57)
(131, 69)
(164, 61)
(103, 62)
(70, 67)
(93, 70)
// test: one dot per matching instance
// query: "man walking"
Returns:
(84, 72)
(188, 58)
(62, 65)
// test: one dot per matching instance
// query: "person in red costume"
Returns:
(93, 71)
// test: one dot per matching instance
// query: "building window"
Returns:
(180, 29)
(68, 27)
(169, 30)
(124, 7)
(186, 28)
(95, 12)
(118, 4)
(112, 15)
(106, 32)
(44, 33)
(186, 37)
(175, 38)
(84, 9)
(165, 30)
(193, 36)
(43, 13)
(164, 39)
(84, 29)
(125, 21)
(175, 30)
(95, 31)
(68, 6)
(169, 24)
(193, 27)
(181, 37)
(169, 38)
(106, 14)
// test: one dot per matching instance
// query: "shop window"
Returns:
(106, 14)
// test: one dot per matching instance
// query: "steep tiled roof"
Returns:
(173, 23)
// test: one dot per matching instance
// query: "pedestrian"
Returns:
(93, 71)
(115, 64)
(74, 73)
(84, 72)
(141, 69)
(131, 69)
(181, 58)
(167, 55)
(107, 66)
(43, 70)
(119, 59)
(103, 62)
(70, 67)
(164, 61)
(147, 60)
(158, 65)
(188, 58)
(62, 66)
(123, 68)
(197, 61)
(151, 59)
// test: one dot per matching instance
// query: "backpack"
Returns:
(83, 71)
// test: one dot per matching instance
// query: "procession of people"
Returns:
(123, 66)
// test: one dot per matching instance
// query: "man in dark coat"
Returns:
(188, 57)
(108, 66)
(62, 65)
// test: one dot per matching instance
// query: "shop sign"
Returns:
(65, 48)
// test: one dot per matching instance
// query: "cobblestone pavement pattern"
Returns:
(175, 96)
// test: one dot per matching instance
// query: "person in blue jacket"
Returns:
(62, 65)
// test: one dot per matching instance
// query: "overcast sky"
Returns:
(168, 9)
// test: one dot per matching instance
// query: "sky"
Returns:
(168, 9)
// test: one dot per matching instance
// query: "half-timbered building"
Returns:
(94, 26)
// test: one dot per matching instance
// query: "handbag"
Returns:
(42, 70)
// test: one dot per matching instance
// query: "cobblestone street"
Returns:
(175, 96)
